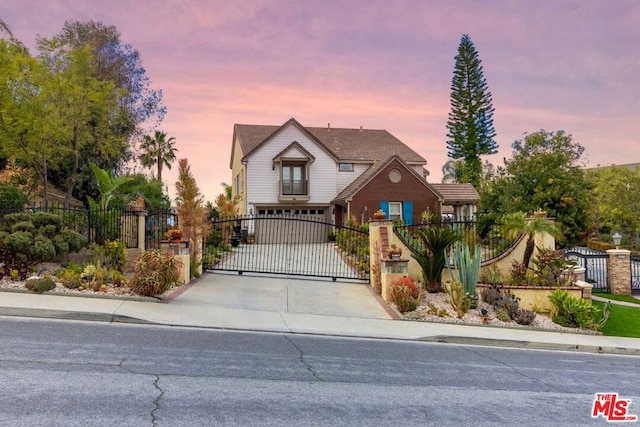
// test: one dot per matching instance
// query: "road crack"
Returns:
(156, 402)
(304, 362)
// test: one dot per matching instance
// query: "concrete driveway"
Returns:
(283, 294)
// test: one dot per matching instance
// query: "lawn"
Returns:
(626, 298)
(623, 321)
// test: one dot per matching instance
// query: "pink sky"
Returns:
(387, 64)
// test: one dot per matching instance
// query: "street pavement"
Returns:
(297, 306)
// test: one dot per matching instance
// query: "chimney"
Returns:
(329, 126)
(360, 128)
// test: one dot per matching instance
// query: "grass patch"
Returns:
(623, 321)
(625, 298)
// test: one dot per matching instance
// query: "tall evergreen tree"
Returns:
(470, 121)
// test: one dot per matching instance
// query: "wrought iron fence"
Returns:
(490, 242)
(157, 224)
(97, 226)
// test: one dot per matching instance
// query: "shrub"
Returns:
(49, 230)
(23, 226)
(405, 294)
(40, 285)
(61, 246)
(75, 240)
(115, 253)
(42, 219)
(574, 312)
(43, 249)
(12, 197)
(19, 242)
(155, 272)
(491, 275)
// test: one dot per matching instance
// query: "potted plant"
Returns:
(331, 236)
(174, 234)
(379, 215)
(394, 252)
(251, 238)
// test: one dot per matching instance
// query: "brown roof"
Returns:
(455, 194)
(357, 184)
(344, 144)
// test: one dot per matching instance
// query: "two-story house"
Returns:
(329, 174)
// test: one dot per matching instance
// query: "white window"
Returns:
(395, 211)
(345, 167)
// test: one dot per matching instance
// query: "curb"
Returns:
(70, 315)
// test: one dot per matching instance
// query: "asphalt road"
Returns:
(64, 373)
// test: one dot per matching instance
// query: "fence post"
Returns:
(619, 271)
(142, 227)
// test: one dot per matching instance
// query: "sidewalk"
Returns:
(186, 312)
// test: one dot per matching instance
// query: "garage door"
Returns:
(275, 225)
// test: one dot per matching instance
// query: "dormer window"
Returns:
(293, 163)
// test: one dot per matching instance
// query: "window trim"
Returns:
(399, 205)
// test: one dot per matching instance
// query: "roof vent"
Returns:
(360, 128)
(329, 126)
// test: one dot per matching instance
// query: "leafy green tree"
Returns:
(615, 200)
(81, 107)
(27, 127)
(136, 105)
(542, 173)
(470, 124)
(158, 151)
(516, 223)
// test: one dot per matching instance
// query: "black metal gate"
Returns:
(595, 265)
(635, 274)
(289, 245)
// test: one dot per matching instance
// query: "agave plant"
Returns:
(435, 242)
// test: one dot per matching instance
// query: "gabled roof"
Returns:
(457, 194)
(299, 147)
(357, 184)
(344, 145)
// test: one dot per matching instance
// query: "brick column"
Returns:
(619, 271)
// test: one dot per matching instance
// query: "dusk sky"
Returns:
(553, 65)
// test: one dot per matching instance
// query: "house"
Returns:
(329, 174)
(459, 200)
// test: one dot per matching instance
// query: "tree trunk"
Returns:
(74, 173)
(528, 252)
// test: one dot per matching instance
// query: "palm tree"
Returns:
(158, 151)
(452, 171)
(517, 223)
(435, 242)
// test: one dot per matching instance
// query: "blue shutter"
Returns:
(385, 207)
(407, 213)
